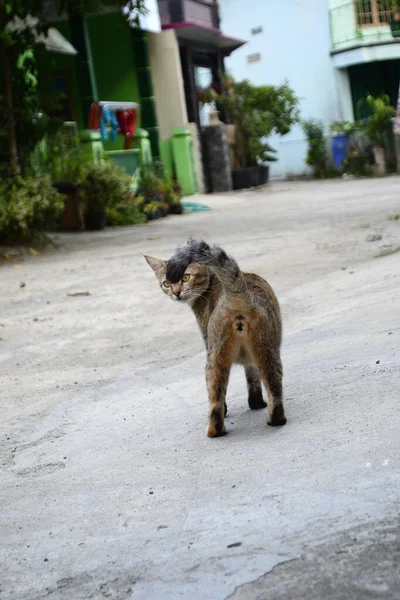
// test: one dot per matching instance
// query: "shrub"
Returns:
(140, 203)
(28, 206)
(150, 185)
(356, 163)
(156, 186)
(380, 120)
(60, 156)
(257, 112)
(125, 213)
(177, 188)
(105, 185)
(317, 156)
(344, 126)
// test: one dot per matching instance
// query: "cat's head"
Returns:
(193, 284)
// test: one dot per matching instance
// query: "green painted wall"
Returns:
(64, 63)
(148, 107)
(121, 69)
(114, 62)
(166, 156)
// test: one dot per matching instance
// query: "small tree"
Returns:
(17, 83)
(257, 112)
(380, 120)
(317, 155)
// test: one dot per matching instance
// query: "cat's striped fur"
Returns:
(240, 321)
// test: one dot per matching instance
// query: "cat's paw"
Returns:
(257, 403)
(277, 422)
(216, 430)
(277, 417)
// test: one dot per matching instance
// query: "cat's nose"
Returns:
(177, 294)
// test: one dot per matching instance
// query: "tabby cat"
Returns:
(239, 318)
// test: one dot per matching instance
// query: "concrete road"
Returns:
(109, 487)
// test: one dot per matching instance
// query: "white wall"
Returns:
(167, 78)
(294, 45)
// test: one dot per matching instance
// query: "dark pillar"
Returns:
(189, 85)
(217, 167)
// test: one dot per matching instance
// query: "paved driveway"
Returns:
(108, 484)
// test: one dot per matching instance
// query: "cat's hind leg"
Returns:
(270, 367)
(255, 397)
(217, 375)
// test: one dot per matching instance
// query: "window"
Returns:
(373, 13)
(252, 58)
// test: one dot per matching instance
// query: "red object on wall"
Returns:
(94, 117)
(127, 120)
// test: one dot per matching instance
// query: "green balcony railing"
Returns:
(360, 22)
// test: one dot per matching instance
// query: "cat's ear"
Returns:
(155, 263)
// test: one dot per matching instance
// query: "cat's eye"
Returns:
(167, 284)
(186, 277)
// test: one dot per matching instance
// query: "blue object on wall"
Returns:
(340, 144)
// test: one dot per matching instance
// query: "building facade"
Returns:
(332, 52)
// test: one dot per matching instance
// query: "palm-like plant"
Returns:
(380, 119)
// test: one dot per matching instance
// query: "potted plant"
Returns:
(256, 112)
(395, 18)
(157, 188)
(125, 212)
(378, 126)
(164, 209)
(171, 193)
(175, 206)
(157, 210)
(104, 186)
(61, 158)
(152, 211)
(140, 203)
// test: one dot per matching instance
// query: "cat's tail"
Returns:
(224, 267)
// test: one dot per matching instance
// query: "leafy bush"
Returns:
(344, 126)
(257, 112)
(395, 6)
(60, 156)
(356, 163)
(27, 207)
(153, 210)
(360, 155)
(156, 187)
(105, 185)
(380, 120)
(317, 156)
(125, 213)
(150, 186)
(140, 203)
